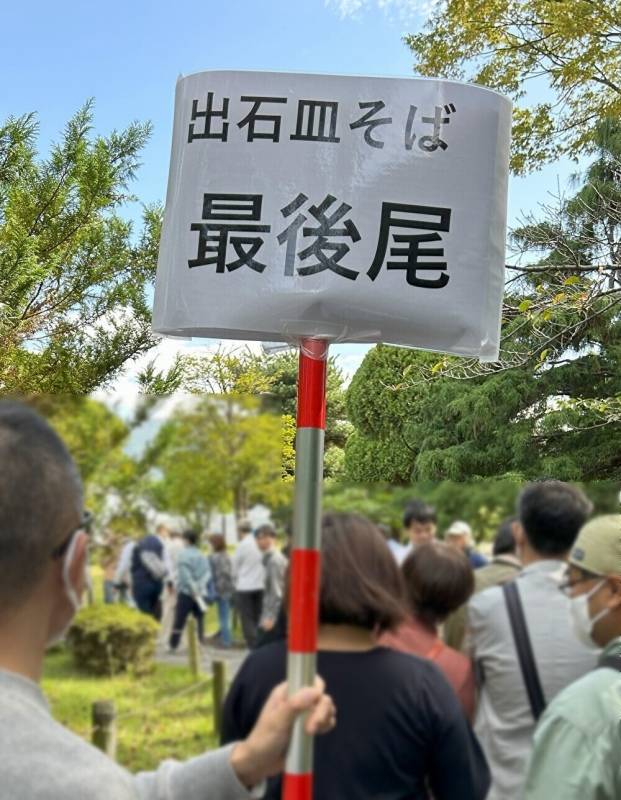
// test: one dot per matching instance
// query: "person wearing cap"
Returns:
(577, 751)
(44, 534)
(459, 536)
(249, 578)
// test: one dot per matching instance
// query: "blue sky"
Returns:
(127, 56)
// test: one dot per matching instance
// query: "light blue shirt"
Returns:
(193, 572)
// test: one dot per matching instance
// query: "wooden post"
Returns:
(218, 686)
(103, 715)
(193, 649)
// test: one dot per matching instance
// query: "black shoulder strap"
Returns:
(613, 662)
(524, 649)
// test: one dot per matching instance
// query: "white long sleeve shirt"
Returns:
(248, 569)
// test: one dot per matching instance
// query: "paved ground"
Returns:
(233, 656)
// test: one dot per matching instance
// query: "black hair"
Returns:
(552, 512)
(40, 498)
(191, 536)
(504, 541)
(418, 511)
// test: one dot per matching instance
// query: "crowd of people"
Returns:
(455, 676)
(167, 575)
(514, 692)
(44, 559)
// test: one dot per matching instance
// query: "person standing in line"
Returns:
(109, 559)
(44, 535)
(577, 749)
(249, 578)
(394, 545)
(123, 573)
(459, 536)
(222, 576)
(520, 635)
(193, 573)
(504, 566)
(420, 523)
(275, 565)
(401, 732)
(149, 570)
(438, 579)
(174, 545)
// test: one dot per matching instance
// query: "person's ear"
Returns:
(77, 567)
(614, 592)
(518, 533)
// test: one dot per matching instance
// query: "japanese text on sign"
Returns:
(229, 220)
(316, 121)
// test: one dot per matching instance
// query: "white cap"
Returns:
(459, 528)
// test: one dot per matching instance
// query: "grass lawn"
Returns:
(155, 728)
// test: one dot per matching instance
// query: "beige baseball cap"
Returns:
(598, 546)
(459, 528)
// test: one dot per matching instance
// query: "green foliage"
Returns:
(288, 448)
(484, 504)
(551, 405)
(74, 276)
(108, 639)
(160, 715)
(96, 437)
(507, 44)
(236, 372)
(223, 452)
(508, 422)
(272, 380)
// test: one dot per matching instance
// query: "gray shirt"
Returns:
(504, 722)
(275, 569)
(42, 760)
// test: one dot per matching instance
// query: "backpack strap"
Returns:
(524, 649)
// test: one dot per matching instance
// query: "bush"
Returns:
(108, 639)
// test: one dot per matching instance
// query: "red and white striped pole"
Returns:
(305, 556)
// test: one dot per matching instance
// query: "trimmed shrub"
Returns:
(108, 639)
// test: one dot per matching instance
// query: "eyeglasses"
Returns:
(85, 525)
(566, 585)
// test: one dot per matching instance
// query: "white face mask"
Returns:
(70, 592)
(581, 618)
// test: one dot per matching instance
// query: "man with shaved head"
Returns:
(43, 561)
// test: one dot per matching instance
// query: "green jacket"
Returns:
(577, 746)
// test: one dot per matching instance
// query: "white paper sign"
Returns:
(357, 209)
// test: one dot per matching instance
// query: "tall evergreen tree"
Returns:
(74, 275)
(552, 404)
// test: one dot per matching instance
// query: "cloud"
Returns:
(122, 395)
(395, 10)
